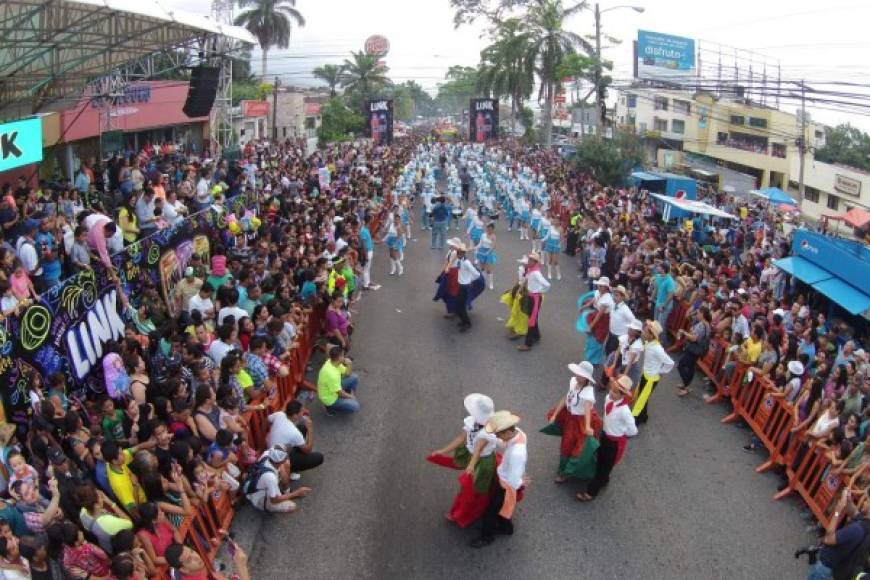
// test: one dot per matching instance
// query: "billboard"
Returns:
(255, 108)
(379, 121)
(483, 120)
(20, 143)
(664, 57)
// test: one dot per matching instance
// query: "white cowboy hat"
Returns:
(603, 281)
(795, 367)
(480, 407)
(501, 421)
(584, 369)
(524, 260)
(635, 325)
(460, 246)
(454, 242)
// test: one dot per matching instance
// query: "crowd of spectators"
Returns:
(100, 488)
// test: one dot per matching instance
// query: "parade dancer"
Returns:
(510, 481)
(407, 221)
(552, 247)
(525, 216)
(533, 229)
(518, 321)
(485, 254)
(471, 284)
(656, 363)
(473, 451)
(475, 230)
(448, 279)
(543, 232)
(595, 320)
(618, 426)
(395, 240)
(575, 417)
(536, 286)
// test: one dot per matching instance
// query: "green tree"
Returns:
(847, 145)
(609, 161)
(550, 44)
(338, 122)
(364, 74)
(460, 86)
(271, 21)
(242, 71)
(403, 103)
(330, 74)
(424, 104)
(506, 69)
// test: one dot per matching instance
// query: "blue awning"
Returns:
(802, 269)
(846, 295)
(644, 176)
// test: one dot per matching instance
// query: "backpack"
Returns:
(255, 472)
(702, 345)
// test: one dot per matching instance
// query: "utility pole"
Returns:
(599, 101)
(802, 143)
(275, 111)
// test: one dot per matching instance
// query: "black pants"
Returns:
(686, 367)
(606, 461)
(462, 305)
(300, 461)
(491, 522)
(533, 334)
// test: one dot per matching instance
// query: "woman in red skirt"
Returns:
(578, 421)
(473, 451)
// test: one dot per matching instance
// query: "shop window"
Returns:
(811, 194)
(678, 126)
(737, 120)
(661, 104)
(683, 107)
(660, 124)
(758, 123)
(833, 202)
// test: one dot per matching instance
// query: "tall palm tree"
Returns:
(364, 73)
(330, 74)
(550, 43)
(271, 21)
(506, 69)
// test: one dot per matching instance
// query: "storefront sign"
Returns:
(377, 45)
(20, 143)
(131, 94)
(847, 185)
(255, 108)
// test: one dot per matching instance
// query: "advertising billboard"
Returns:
(20, 143)
(379, 121)
(483, 120)
(665, 57)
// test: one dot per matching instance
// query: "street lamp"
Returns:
(599, 97)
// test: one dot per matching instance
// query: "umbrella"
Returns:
(857, 217)
(774, 195)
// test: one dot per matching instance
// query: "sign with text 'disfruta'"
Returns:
(20, 143)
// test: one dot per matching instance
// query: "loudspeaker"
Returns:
(202, 91)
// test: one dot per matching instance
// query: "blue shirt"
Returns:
(664, 285)
(46, 246)
(83, 182)
(309, 288)
(366, 236)
(439, 212)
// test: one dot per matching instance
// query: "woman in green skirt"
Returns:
(473, 451)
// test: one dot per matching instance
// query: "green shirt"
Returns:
(113, 427)
(329, 382)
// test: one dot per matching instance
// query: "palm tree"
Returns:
(270, 22)
(506, 69)
(550, 43)
(330, 74)
(364, 73)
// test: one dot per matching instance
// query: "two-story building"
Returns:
(830, 189)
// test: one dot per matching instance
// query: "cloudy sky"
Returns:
(810, 40)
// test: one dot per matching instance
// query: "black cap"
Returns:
(56, 456)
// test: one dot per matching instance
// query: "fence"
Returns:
(771, 417)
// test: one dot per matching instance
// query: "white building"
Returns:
(830, 189)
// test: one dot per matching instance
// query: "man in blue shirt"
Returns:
(664, 291)
(440, 215)
(83, 181)
(365, 236)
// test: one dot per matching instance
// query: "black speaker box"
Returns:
(202, 91)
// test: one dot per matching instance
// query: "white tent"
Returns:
(692, 206)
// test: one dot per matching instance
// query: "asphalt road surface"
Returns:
(684, 503)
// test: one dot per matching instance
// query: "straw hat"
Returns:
(654, 327)
(636, 325)
(603, 281)
(621, 289)
(501, 421)
(795, 367)
(623, 383)
(460, 246)
(584, 369)
(480, 407)
(534, 256)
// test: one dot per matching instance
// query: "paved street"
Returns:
(685, 503)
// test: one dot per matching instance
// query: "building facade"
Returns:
(296, 115)
(731, 133)
(830, 189)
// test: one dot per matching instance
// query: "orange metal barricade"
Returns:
(813, 479)
(711, 364)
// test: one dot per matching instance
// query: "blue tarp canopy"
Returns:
(644, 176)
(850, 298)
(846, 295)
(774, 195)
(802, 269)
